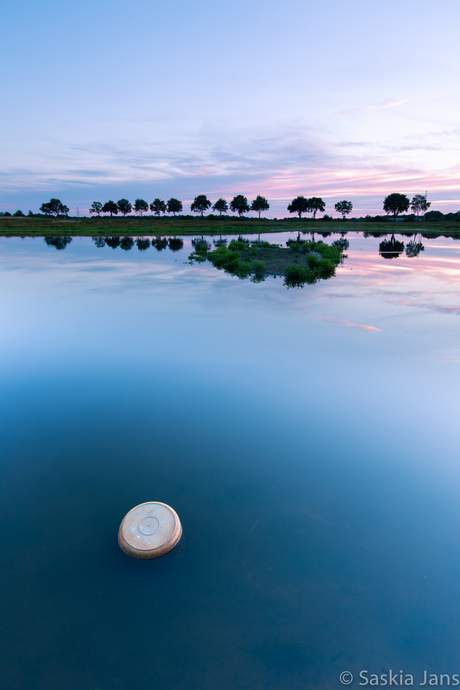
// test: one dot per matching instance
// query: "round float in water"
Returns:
(149, 530)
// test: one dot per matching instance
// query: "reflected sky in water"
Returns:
(308, 439)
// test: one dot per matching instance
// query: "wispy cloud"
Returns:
(278, 160)
(367, 108)
(342, 322)
(449, 356)
(443, 309)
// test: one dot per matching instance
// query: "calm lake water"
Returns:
(308, 439)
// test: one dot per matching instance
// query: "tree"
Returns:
(315, 203)
(158, 206)
(396, 203)
(419, 203)
(110, 207)
(434, 215)
(174, 206)
(140, 206)
(18, 213)
(96, 207)
(344, 207)
(200, 204)
(124, 206)
(62, 209)
(54, 207)
(260, 204)
(298, 205)
(221, 206)
(239, 204)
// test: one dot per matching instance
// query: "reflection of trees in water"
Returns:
(58, 242)
(374, 234)
(221, 242)
(299, 240)
(298, 276)
(200, 244)
(160, 243)
(257, 277)
(113, 242)
(413, 248)
(342, 243)
(142, 244)
(175, 244)
(391, 249)
(126, 243)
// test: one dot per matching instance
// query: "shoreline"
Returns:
(170, 227)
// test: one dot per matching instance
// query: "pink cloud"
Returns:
(342, 322)
(367, 108)
(205, 171)
(357, 180)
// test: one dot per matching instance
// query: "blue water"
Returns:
(307, 438)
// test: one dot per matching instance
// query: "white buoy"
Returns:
(149, 530)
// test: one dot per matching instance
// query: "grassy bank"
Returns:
(148, 226)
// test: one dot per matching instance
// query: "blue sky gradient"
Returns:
(108, 100)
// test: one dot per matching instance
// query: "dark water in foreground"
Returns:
(308, 439)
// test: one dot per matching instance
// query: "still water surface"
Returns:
(308, 439)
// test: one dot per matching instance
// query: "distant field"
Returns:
(134, 226)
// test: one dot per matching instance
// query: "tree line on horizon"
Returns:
(393, 204)
(239, 204)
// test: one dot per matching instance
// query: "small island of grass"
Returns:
(300, 262)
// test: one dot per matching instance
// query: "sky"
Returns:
(106, 100)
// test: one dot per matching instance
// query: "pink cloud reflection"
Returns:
(342, 322)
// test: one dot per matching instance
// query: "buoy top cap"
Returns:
(149, 526)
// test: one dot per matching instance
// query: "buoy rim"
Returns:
(145, 543)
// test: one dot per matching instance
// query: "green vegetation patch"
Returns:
(300, 262)
(22, 226)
